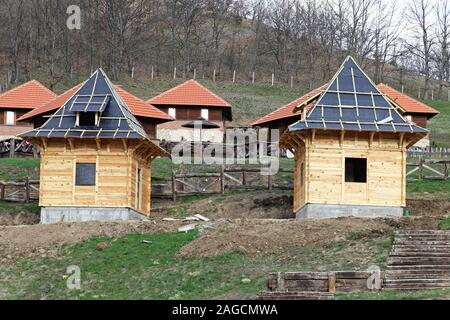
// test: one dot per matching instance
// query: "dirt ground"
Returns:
(23, 218)
(256, 237)
(45, 240)
(252, 222)
(250, 205)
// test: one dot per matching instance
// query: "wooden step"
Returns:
(418, 254)
(295, 295)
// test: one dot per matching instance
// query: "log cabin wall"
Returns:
(116, 169)
(324, 169)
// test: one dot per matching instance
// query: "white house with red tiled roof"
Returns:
(190, 101)
(16, 102)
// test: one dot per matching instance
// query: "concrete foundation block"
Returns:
(80, 214)
(327, 211)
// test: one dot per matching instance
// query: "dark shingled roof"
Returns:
(353, 102)
(96, 95)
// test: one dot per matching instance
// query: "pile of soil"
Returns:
(250, 205)
(259, 237)
(428, 207)
(17, 219)
(45, 240)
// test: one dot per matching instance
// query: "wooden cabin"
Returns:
(350, 151)
(16, 102)
(95, 158)
(187, 102)
(147, 115)
(411, 109)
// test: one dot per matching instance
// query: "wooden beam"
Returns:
(125, 145)
(341, 137)
(402, 139)
(372, 134)
(71, 144)
(44, 144)
(313, 135)
(98, 144)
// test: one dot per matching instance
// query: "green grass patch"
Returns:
(15, 207)
(394, 295)
(439, 124)
(129, 269)
(445, 224)
(428, 189)
(19, 168)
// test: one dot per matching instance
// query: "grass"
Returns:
(18, 168)
(439, 124)
(129, 269)
(445, 224)
(395, 295)
(428, 189)
(15, 208)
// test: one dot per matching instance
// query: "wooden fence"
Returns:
(16, 147)
(188, 184)
(429, 152)
(428, 170)
(25, 191)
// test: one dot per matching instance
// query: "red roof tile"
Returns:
(137, 106)
(29, 95)
(287, 111)
(189, 93)
(406, 103)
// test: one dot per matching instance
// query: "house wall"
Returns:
(194, 112)
(115, 175)
(324, 170)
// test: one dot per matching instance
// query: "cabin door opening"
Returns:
(139, 189)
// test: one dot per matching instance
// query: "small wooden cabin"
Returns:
(350, 151)
(95, 158)
(187, 102)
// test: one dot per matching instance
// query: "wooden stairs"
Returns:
(419, 260)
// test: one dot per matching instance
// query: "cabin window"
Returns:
(356, 170)
(10, 118)
(205, 114)
(87, 119)
(173, 112)
(85, 174)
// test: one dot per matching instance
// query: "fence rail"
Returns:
(188, 184)
(428, 170)
(24, 191)
(16, 147)
(429, 152)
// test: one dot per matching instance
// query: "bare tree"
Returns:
(442, 54)
(419, 12)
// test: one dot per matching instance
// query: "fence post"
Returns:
(244, 178)
(174, 186)
(234, 76)
(253, 81)
(273, 79)
(27, 189)
(214, 75)
(12, 147)
(421, 169)
(2, 191)
(446, 170)
(292, 82)
(331, 282)
(195, 73)
(153, 73)
(174, 73)
(269, 180)
(222, 179)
